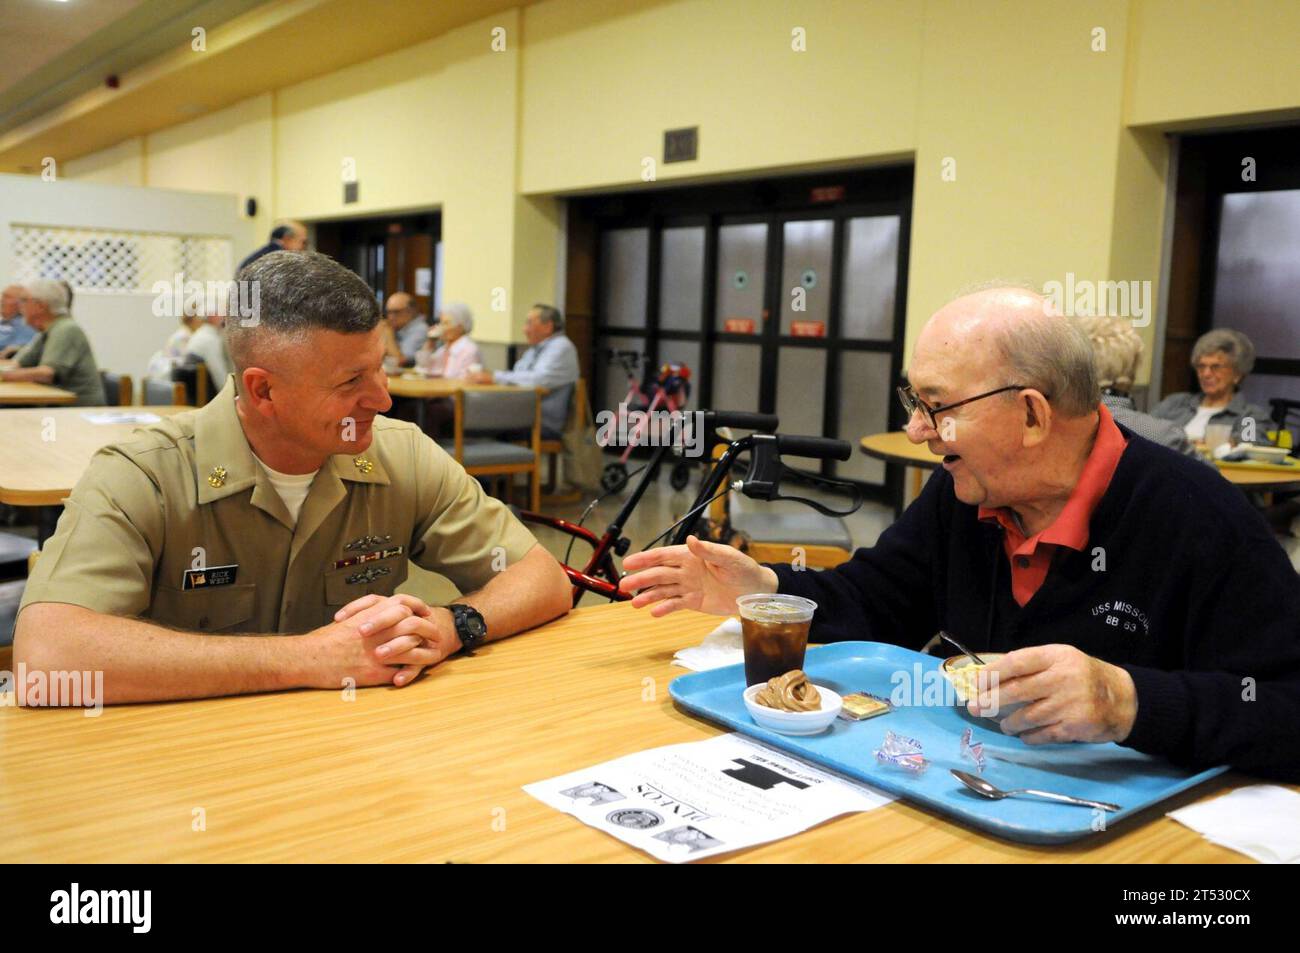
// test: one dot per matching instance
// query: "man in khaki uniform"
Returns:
(60, 353)
(284, 507)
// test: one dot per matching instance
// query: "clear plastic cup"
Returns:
(774, 633)
(1216, 435)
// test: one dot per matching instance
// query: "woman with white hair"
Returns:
(1222, 358)
(457, 355)
(1116, 350)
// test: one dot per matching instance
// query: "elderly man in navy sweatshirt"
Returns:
(1140, 597)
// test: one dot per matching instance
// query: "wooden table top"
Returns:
(29, 394)
(1260, 479)
(894, 447)
(433, 771)
(439, 386)
(40, 464)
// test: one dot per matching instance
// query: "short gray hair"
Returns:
(1053, 355)
(1238, 348)
(50, 293)
(298, 292)
(460, 315)
(549, 314)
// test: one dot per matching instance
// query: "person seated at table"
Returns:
(256, 544)
(1140, 599)
(1117, 350)
(14, 331)
(172, 354)
(551, 361)
(453, 354)
(392, 350)
(409, 329)
(1221, 358)
(207, 345)
(60, 353)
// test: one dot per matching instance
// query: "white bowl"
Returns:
(1265, 454)
(795, 722)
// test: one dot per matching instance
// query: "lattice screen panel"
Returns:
(116, 262)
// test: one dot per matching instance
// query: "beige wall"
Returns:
(1060, 155)
(602, 81)
(122, 164)
(407, 124)
(1211, 64)
(433, 125)
(226, 151)
(1031, 125)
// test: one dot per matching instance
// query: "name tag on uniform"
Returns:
(209, 577)
(368, 557)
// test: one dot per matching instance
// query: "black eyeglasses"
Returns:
(911, 403)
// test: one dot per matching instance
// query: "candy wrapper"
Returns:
(973, 752)
(902, 752)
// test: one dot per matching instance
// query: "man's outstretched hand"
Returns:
(704, 576)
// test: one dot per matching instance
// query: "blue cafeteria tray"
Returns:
(1100, 772)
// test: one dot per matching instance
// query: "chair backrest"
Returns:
(580, 408)
(1284, 408)
(119, 390)
(493, 411)
(567, 390)
(193, 376)
(162, 393)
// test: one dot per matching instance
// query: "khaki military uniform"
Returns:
(181, 525)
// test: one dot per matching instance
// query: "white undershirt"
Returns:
(1195, 428)
(292, 487)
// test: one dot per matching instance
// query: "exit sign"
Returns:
(827, 193)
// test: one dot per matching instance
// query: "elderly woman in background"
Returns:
(457, 355)
(1222, 358)
(1116, 350)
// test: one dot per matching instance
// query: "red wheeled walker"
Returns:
(641, 418)
(762, 481)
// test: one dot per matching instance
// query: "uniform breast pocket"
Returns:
(381, 577)
(204, 610)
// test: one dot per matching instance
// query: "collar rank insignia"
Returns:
(217, 478)
(363, 464)
(369, 574)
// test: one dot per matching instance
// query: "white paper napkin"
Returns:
(1261, 821)
(720, 647)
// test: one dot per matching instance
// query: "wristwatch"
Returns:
(470, 626)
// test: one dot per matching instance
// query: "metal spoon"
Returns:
(980, 786)
(961, 648)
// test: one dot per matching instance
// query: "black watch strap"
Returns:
(470, 627)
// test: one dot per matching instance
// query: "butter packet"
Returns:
(863, 705)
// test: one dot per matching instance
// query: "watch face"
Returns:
(470, 624)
